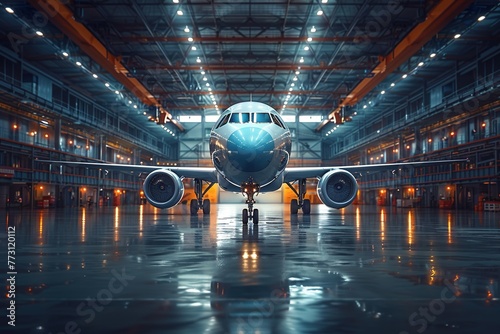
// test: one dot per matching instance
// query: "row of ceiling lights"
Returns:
(413, 71)
(66, 55)
(78, 63)
(205, 79)
(199, 61)
(301, 60)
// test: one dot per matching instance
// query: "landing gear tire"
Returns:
(244, 216)
(206, 206)
(306, 207)
(255, 216)
(294, 207)
(194, 207)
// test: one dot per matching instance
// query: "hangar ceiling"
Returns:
(197, 57)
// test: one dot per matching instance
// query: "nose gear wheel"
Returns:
(249, 190)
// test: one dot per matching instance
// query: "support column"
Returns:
(57, 134)
(418, 141)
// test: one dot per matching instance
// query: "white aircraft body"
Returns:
(250, 146)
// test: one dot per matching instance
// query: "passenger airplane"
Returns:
(250, 146)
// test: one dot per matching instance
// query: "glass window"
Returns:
(223, 121)
(240, 118)
(261, 118)
(277, 121)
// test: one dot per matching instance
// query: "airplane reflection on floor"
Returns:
(349, 270)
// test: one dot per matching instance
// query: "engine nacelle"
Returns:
(337, 188)
(163, 188)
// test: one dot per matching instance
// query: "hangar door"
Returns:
(272, 197)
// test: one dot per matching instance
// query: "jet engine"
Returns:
(337, 188)
(163, 188)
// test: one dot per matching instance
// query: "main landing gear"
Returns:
(250, 189)
(302, 203)
(199, 202)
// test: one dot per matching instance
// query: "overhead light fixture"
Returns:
(78, 63)
(313, 29)
(480, 18)
(193, 48)
(65, 54)
(309, 39)
(175, 1)
(301, 59)
(306, 48)
(95, 76)
(393, 84)
(382, 92)
(39, 33)
(295, 79)
(457, 36)
(324, 1)
(180, 12)
(9, 10)
(404, 76)
(421, 63)
(190, 39)
(186, 29)
(319, 12)
(198, 60)
(432, 55)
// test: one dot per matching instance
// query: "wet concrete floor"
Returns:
(362, 269)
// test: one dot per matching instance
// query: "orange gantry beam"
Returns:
(439, 16)
(62, 17)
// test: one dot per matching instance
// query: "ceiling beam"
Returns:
(62, 17)
(252, 68)
(248, 40)
(439, 16)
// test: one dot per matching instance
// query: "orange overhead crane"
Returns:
(439, 16)
(62, 17)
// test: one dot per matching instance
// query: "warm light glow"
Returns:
(9, 10)
(481, 18)
(410, 228)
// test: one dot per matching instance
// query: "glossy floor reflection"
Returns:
(362, 269)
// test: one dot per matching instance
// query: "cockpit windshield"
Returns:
(245, 117)
(250, 117)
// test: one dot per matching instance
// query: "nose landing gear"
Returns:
(250, 189)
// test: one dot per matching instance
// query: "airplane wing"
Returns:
(203, 173)
(296, 173)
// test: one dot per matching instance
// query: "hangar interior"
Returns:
(142, 82)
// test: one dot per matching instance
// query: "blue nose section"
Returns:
(250, 149)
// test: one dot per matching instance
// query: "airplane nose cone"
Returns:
(250, 149)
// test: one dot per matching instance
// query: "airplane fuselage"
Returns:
(250, 143)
